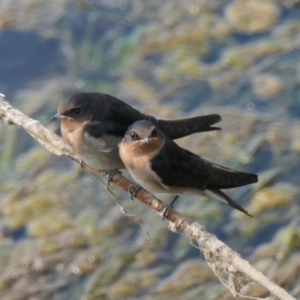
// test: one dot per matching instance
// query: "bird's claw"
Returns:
(168, 207)
(133, 190)
(111, 174)
(81, 163)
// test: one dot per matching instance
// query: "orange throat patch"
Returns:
(140, 148)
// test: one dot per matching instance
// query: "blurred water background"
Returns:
(62, 236)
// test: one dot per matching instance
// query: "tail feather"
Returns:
(219, 195)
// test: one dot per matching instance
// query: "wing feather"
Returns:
(181, 168)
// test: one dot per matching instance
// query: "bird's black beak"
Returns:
(57, 116)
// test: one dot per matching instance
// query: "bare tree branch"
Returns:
(230, 268)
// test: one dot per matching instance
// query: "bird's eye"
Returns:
(77, 111)
(133, 136)
(154, 133)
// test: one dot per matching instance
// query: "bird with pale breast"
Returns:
(161, 166)
(94, 124)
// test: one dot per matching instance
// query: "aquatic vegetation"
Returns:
(272, 198)
(205, 28)
(146, 257)
(267, 86)
(252, 16)
(36, 14)
(86, 262)
(188, 274)
(138, 88)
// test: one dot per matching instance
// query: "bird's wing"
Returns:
(103, 136)
(178, 128)
(109, 124)
(117, 112)
(178, 167)
(122, 114)
(98, 129)
(226, 178)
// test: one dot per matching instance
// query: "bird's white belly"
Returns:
(147, 179)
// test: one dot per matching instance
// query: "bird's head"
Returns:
(80, 107)
(143, 137)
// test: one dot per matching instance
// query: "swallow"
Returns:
(159, 165)
(94, 124)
